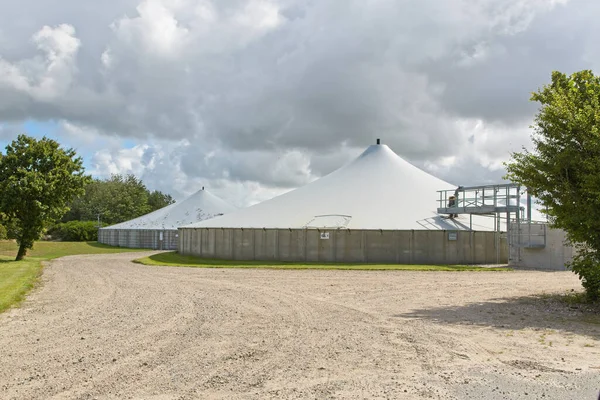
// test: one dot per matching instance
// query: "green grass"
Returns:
(50, 250)
(172, 259)
(17, 278)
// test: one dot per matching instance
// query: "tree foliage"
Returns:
(158, 199)
(38, 179)
(3, 233)
(117, 199)
(563, 169)
(75, 231)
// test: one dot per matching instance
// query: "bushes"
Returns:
(586, 264)
(75, 231)
(3, 233)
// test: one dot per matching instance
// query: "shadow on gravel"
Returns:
(536, 312)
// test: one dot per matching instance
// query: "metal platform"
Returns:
(481, 200)
(503, 202)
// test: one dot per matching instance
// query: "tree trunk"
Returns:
(21, 253)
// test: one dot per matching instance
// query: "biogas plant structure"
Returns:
(158, 230)
(378, 208)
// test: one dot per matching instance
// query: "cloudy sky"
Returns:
(251, 98)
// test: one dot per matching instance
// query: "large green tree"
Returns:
(38, 179)
(117, 199)
(563, 168)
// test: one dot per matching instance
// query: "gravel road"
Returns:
(101, 327)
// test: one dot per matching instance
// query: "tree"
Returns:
(158, 200)
(117, 199)
(563, 169)
(38, 179)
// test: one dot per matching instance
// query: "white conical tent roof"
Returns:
(378, 190)
(200, 206)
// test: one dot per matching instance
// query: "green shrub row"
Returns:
(75, 231)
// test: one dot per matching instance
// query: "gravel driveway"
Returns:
(100, 327)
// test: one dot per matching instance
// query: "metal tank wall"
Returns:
(538, 246)
(139, 238)
(346, 246)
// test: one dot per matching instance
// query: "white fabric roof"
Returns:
(200, 206)
(378, 190)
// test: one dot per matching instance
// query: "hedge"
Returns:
(75, 231)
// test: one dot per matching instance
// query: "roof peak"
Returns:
(377, 149)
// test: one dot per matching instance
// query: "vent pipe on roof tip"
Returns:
(378, 141)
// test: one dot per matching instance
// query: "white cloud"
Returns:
(253, 97)
(155, 28)
(48, 77)
(259, 15)
(160, 167)
(86, 137)
(122, 161)
(484, 147)
(107, 58)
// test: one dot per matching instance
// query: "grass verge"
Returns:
(17, 278)
(172, 259)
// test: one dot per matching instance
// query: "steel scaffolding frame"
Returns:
(501, 201)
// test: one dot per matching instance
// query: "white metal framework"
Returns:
(493, 200)
(503, 202)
